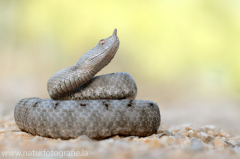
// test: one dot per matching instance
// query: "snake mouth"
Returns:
(114, 47)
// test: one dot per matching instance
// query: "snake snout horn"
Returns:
(115, 32)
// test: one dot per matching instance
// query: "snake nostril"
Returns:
(151, 104)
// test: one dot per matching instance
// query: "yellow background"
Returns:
(175, 50)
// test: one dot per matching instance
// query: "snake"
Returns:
(81, 103)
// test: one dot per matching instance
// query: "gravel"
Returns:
(171, 141)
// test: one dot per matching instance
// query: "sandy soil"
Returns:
(171, 141)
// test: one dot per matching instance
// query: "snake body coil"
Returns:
(82, 104)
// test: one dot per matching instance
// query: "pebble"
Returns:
(219, 143)
(83, 138)
(165, 132)
(178, 135)
(196, 144)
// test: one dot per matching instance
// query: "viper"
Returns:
(81, 104)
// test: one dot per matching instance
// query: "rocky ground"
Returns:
(171, 141)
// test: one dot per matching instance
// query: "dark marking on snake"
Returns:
(106, 106)
(130, 103)
(55, 105)
(35, 104)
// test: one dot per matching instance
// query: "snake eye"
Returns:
(102, 42)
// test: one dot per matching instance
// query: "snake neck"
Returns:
(67, 80)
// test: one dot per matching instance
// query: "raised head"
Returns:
(101, 55)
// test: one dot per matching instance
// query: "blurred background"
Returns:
(184, 55)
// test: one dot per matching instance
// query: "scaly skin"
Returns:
(82, 104)
(110, 86)
(97, 119)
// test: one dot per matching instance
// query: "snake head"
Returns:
(101, 55)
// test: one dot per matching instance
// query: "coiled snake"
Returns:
(82, 104)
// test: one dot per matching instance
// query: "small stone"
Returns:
(224, 134)
(188, 127)
(210, 132)
(190, 133)
(130, 138)
(186, 142)
(218, 143)
(213, 128)
(204, 136)
(164, 131)
(178, 135)
(198, 135)
(83, 138)
(145, 140)
(238, 144)
(183, 132)
(115, 137)
(229, 144)
(196, 144)
(157, 135)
